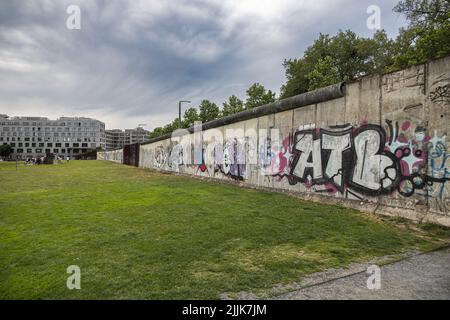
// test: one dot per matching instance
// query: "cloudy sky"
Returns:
(132, 61)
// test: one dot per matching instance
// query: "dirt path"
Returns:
(424, 276)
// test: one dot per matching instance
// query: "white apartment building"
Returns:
(116, 138)
(37, 136)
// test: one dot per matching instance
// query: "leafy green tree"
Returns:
(5, 150)
(258, 96)
(297, 82)
(168, 128)
(379, 51)
(424, 13)
(158, 131)
(190, 116)
(428, 34)
(233, 105)
(176, 124)
(346, 55)
(324, 74)
(208, 111)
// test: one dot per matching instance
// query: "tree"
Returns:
(379, 52)
(208, 111)
(346, 55)
(5, 150)
(176, 124)
(258, 96)
(167, 128)
(158, 131)
(297, 82)
(428, 34)
(233, 105)
(424, 13)
(190, 116)
(324, 74)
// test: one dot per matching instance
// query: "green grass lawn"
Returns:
(144, 235)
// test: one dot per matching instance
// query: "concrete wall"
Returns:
(382, 147)
(114, 155)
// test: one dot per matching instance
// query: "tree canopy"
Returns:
(5, 150)
(346, 56)
(257, 96)
(208, 111)
(331, 59)
(190, 116)
(232, 105)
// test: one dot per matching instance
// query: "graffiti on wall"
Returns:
(230, 160)
(441, 94)
(160, 157)
(114, 155)
(368, 159)
(342, 157)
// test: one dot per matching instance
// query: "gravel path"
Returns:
(424, 276)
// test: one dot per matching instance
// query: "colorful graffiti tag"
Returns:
(230, 160)
(365, 159)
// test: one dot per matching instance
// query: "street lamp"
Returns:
(179, 108)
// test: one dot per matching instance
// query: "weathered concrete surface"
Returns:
(425, 277)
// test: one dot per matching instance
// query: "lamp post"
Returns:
(179, 108)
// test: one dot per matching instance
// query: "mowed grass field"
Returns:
(143, 235)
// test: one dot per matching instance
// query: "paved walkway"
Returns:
(424, 276)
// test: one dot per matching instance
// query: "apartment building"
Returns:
(117, 138)
(38, 136)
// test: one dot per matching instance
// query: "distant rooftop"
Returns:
(4, 116)
(127, 130)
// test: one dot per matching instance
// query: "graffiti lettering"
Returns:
(364, 160)
(441, 94)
